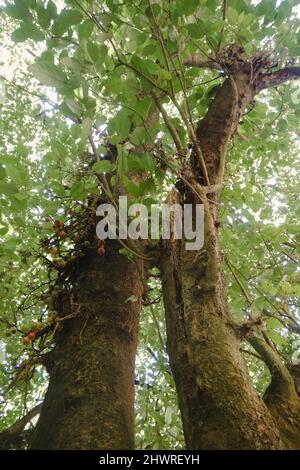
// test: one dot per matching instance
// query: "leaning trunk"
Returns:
(90, 400)
(219, 406)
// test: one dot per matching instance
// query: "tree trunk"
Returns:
(219, 405)
(90, 399)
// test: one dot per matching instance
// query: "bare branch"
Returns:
(242, 288)
(96, 156)
(224, 9)
(20, 425)
(12, 436)
(171, 128)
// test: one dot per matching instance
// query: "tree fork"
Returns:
(89, 403)
(220, 408)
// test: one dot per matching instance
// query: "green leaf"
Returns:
(44, 17)
(17, 174)
(65, 20)
(215, 26)
(74, 106)
(138, 136)
(59, 151)
(186, 8)
(232, 15)
(120, 125)
(2, 172)
(49, 74)
(195, 31)
(86, 127)
(8, 188)
(71, 16)
(51, 9)
(163, 74)
(4, 229)
(132, 188)
(150, 49)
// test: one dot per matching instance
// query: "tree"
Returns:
(192, 103)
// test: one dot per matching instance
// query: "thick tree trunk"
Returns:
(219, 405)
(90, 400)
(282, 395)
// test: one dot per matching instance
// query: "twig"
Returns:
(169, 125)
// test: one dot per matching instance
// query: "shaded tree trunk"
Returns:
(219, 406)
(89, 403)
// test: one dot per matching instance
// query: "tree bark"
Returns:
(282, 395)
(90, 400)
(89, 403)
(219, 406)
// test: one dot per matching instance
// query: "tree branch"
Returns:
(223, 27)
(196, 61)
(171, 128)
(282, 381)
(278, 78)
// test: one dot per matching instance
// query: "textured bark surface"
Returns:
(219, 405)
(282, 395)
(90, 400)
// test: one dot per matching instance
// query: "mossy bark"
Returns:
(89, 403)
(219, 405)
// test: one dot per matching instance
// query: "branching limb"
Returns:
(12, 436)
(213, 188)
(282, 381)
(162, 43)
(251, 353)
(95, 153)
(195, 60)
